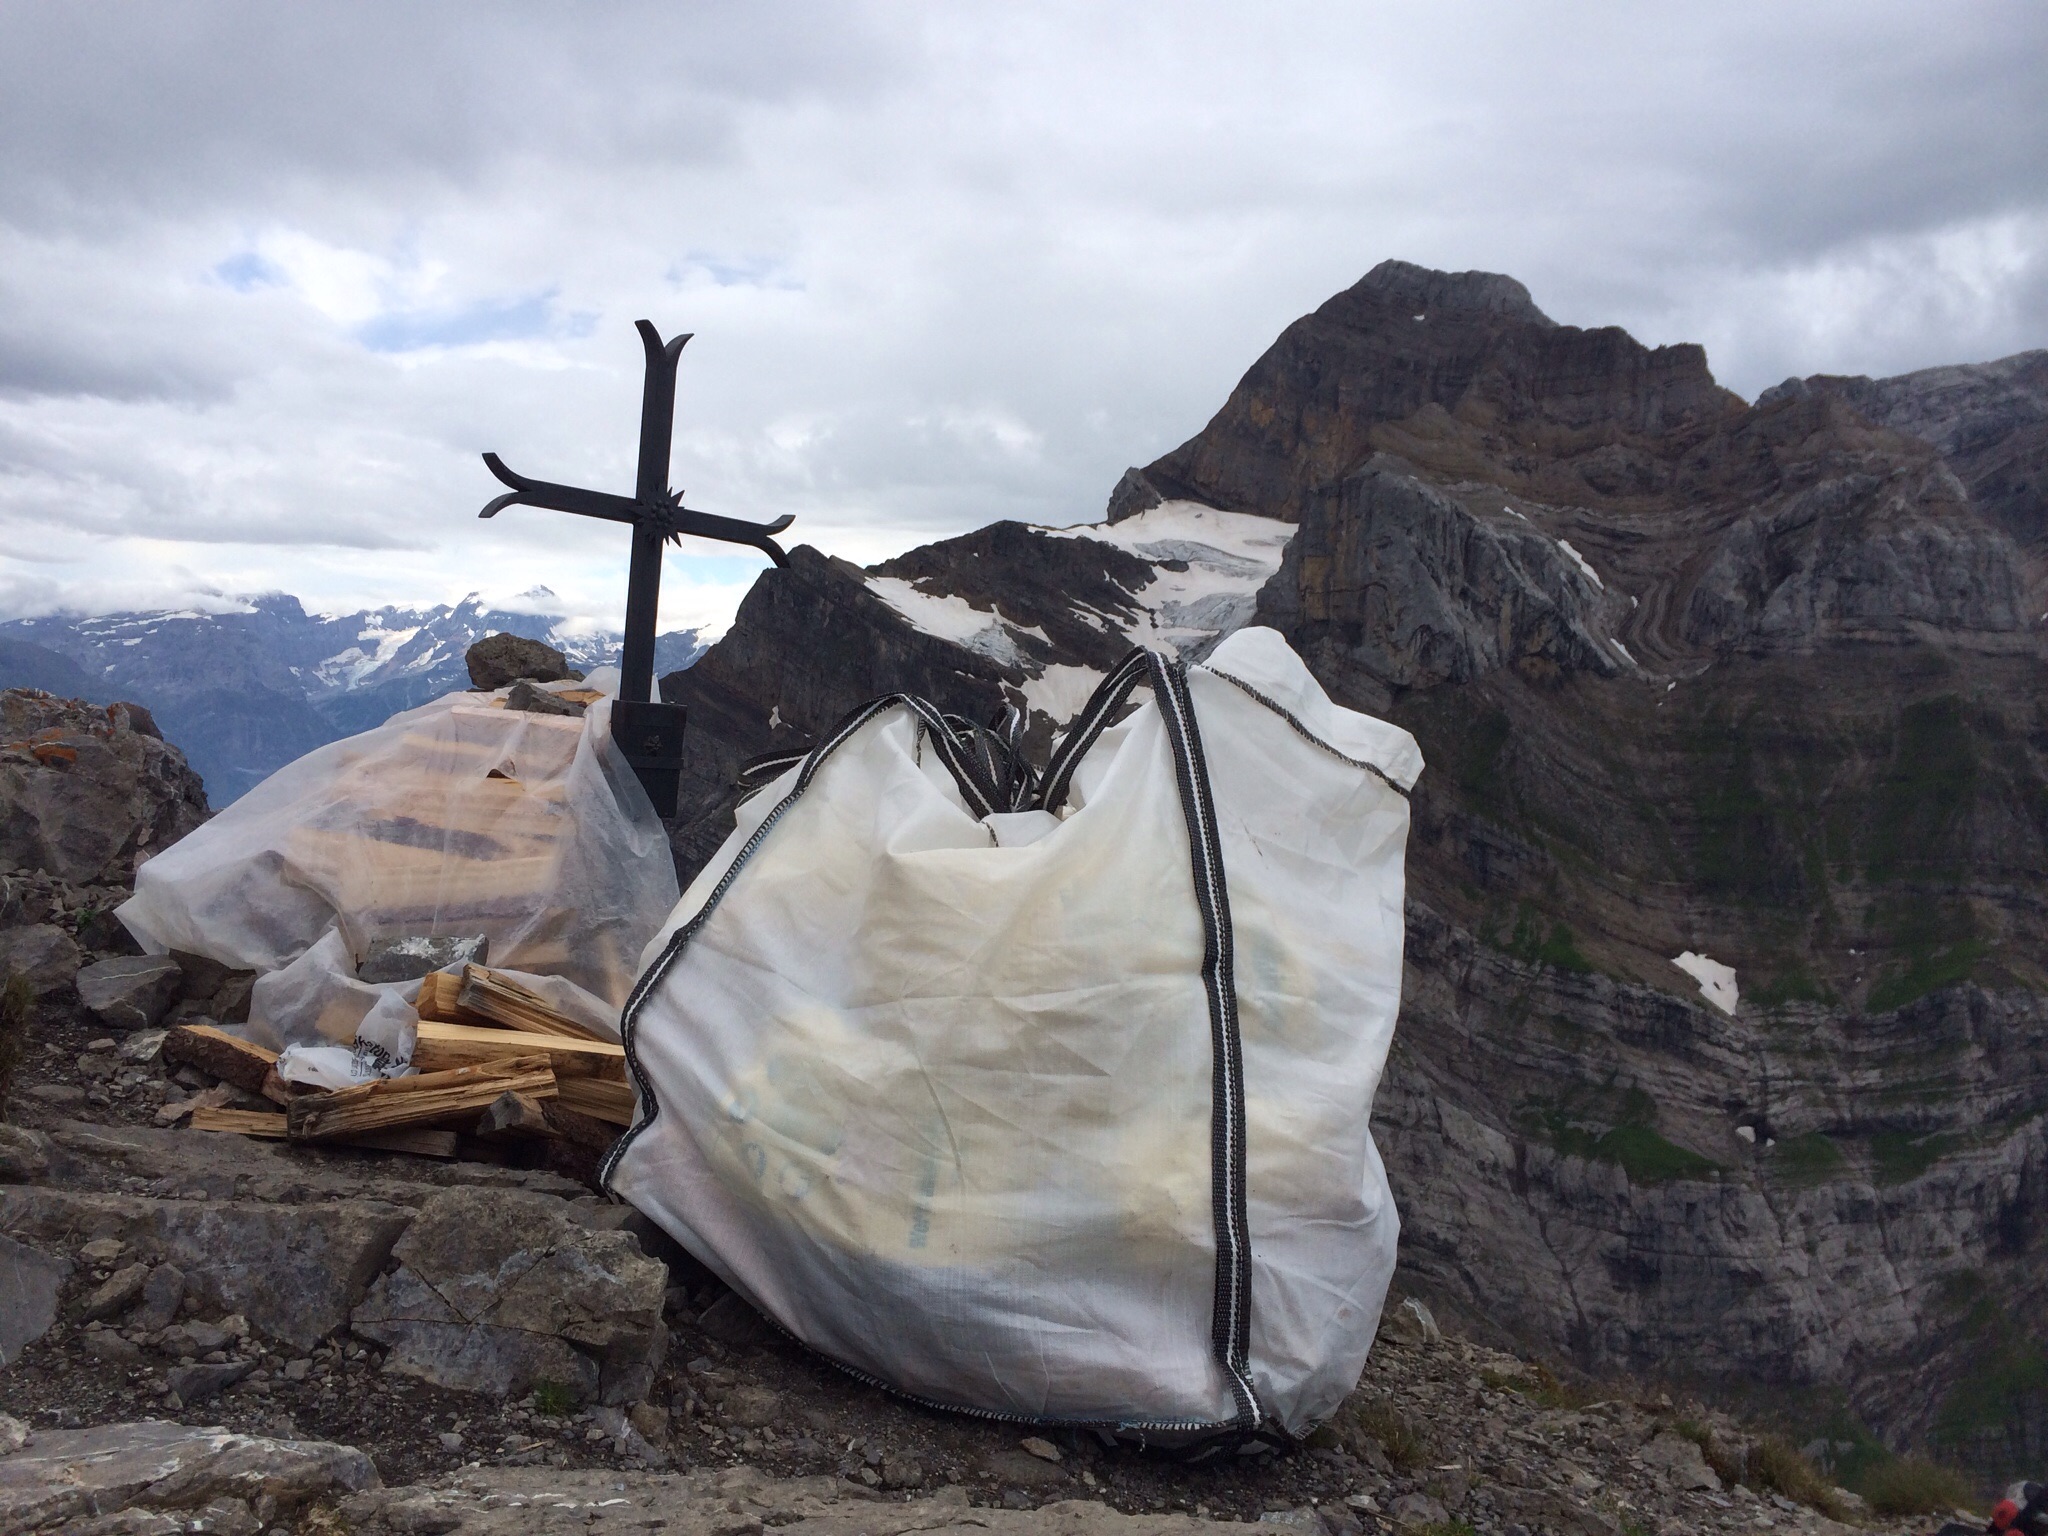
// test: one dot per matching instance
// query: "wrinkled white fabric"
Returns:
(459, 817)
(936, 1093)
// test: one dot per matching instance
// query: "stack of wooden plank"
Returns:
(494, 1062)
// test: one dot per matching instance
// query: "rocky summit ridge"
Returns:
(1755, 685)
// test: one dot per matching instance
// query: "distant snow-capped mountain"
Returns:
(245, 692)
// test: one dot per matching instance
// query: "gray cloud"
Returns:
(271, 277)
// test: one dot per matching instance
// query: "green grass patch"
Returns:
(1900, 1158)
(1558, 947)
(1925, 971)
(1803, 1161)
(1648, 1158)
(1911, 1485)
(1794, 984)
(556, 1399)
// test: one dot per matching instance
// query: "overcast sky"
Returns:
(272, 276)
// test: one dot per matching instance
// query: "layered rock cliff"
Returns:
(1761, 684)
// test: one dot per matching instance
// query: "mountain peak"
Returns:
(1403, 285)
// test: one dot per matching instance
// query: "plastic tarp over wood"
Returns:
(1056, 1112)
(460, 817)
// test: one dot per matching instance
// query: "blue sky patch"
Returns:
(467, 326)
(249, 271)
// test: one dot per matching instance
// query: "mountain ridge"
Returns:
(244, 692)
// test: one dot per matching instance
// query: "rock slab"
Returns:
(499, 1289)
(65, 1476)
(30, 1282)
(292, 1271)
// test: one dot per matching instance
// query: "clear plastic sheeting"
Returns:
(459, 817)
(1058, 1114)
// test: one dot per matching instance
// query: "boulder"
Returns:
(85, 788)
(116, 1294)
(498, 660)
(24, 1155)
(196, 1383)
(1682, 1462)
(538, 701)
(30, 1283)
(130, 991)
(42, 952)
(499, 1289)
(67, 1476)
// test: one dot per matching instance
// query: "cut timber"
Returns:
(441, 1144)
(240, 1122)
(220, 1054)
(271, 1127)
(514, 1117)
(438, 1002)
(600, 1098)
(441, 1046)
(430, 1099)
(504, 1001)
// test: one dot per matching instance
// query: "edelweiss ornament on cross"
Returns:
(650, 734)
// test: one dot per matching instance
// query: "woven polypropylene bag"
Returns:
(1057, 1113)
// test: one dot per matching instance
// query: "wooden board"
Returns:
(597, 1097)
(435, 1099)
(442, 1046)
(271, 1127)
(241, 1122)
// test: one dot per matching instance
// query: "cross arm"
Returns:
(668, 519)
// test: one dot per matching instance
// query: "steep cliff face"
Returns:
(1761, 684)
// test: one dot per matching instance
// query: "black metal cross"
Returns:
(649, 733)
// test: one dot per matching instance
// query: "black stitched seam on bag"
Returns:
(1103, 704)
(1230, 1324)
(1306, 734)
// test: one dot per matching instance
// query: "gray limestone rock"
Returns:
(24, 1155)
(538, 701)
(116, 1294)
(65, 1477)
(162, 1295)
(408, 959)
(87, 787)
(293, 1271)
(196, 1383)
(1682, 1462)
(1411, 586)
(497, 660)
(130, 991)
(30, 1283)
(42, 952)
(499, 1289)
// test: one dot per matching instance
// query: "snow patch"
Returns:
(1623, 649)
(1580, 561)
(1060, 690)
(985, 632)
(1228, 555)
(1717, 981)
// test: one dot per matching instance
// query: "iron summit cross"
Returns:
(649, 732)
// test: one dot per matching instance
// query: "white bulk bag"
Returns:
(1060, 1113)
(459, 817)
